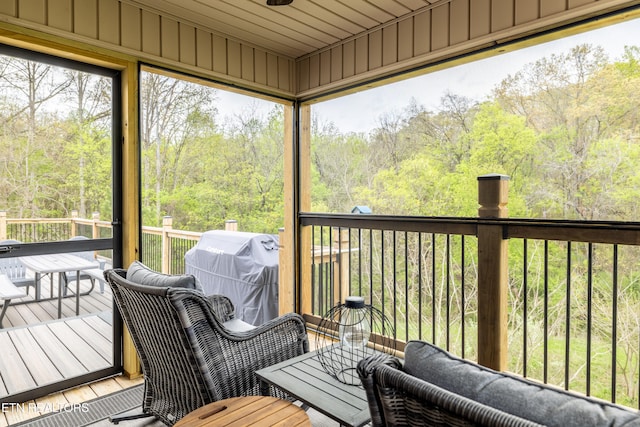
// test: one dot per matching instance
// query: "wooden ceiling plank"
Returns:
(392, 7)
(223, 23)
(261, 19)
(332, 13)
(414, 5)
(306, 21)
(348, 12)
(368, 9)
(293, 31)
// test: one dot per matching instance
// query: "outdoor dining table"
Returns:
(58, 263)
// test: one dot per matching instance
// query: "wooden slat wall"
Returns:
(125, 28)
(446, 30)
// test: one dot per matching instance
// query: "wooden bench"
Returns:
(8, 291)
(94, 274)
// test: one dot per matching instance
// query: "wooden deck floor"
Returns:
(35, 338)
(28, 312)
(51, 352)
(37, 348)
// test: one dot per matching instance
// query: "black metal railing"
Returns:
(573, 287)
(420, 281)
(574, 311)
(30, 232)
(179, 247)
(154, 239)
(573, 297)
(152, 251)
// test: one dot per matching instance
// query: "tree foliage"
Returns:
(564, 129)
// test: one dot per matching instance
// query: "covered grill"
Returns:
(242, 266)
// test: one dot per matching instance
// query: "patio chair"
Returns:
(94, 274)
(14, 269)
(188, 357)
(434, 387)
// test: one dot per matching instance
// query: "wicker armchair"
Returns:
(399, 399)
(188, 357)
(435, 388)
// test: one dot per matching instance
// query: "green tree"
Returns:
(341, 163)
(30, 87)
(172, 113)
(87, 149)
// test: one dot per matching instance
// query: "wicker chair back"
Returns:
(187, 356)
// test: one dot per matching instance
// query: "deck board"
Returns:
(40, 365)
(64, 360)
(91, 337)
(15, 375)
(40, 349)
(30, 314)
(90, 358)
(33, 318)
(100, 325)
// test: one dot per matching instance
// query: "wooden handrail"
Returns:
(168, 233)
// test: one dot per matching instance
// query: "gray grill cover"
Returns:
(242, 266)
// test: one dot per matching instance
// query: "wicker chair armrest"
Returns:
(289, 321)
(244, 353)
(288, 330)
(222, 307)
(403, 397)
(365, 369)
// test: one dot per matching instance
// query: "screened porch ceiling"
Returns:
(295, 30)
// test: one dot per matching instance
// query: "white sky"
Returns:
(360, 112)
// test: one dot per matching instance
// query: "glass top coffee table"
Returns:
(303, 378)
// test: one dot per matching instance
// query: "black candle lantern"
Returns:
(348, 333)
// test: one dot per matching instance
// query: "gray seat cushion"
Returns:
(143, 275)
(543, 404)
(237, 325)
